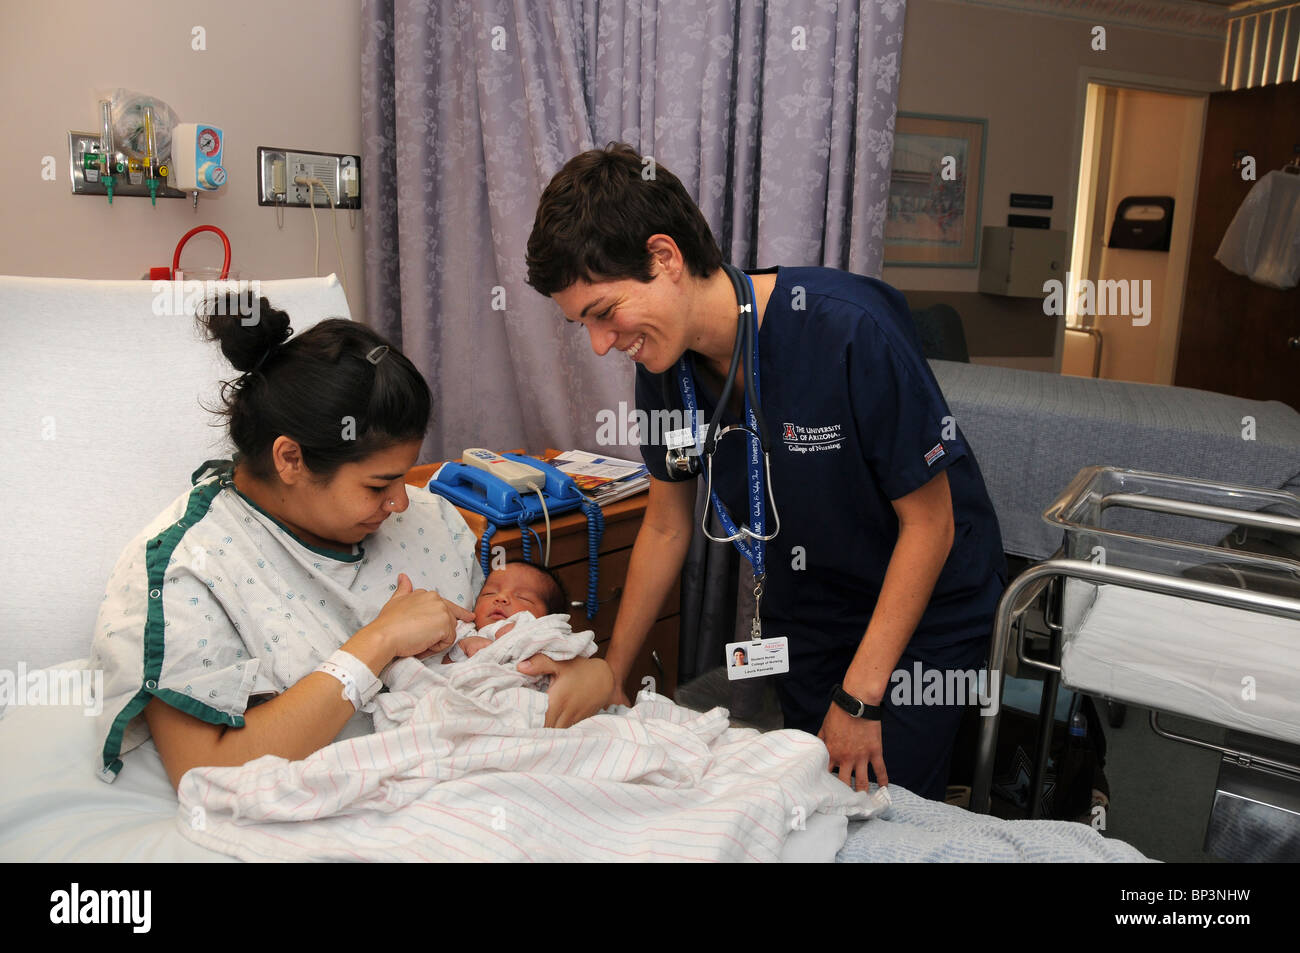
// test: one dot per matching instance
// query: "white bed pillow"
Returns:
(101, 424)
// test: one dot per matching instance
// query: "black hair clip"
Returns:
(261, 360)
(377, 355)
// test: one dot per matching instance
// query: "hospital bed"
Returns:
(1033, 431)
(1144, 611)
(102, 418)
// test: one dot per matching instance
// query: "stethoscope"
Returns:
(684, 461)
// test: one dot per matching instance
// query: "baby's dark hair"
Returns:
(557, 600)
(318, 388)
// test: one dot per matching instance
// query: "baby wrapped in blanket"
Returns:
(517, 594)
(514, 588)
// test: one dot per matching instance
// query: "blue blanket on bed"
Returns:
(915, 829)
(1033, 431)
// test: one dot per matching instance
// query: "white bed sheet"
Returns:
(54, 807)
(1213, 663)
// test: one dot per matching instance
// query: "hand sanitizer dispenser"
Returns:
(196, 157)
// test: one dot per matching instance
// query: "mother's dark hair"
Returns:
(317, 388)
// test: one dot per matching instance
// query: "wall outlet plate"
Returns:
(325, 166)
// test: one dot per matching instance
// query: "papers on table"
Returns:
(604, 479)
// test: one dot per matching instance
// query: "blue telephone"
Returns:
(513, 490)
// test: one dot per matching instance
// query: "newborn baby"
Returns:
(515, 587)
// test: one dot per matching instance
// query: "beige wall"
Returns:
(1021, 72)
(1017, 70)
(275, 73)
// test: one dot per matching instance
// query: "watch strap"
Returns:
(855, 706)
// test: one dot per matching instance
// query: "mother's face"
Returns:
(349, 506)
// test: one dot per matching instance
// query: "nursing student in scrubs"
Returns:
(889, 558)
(256, 615)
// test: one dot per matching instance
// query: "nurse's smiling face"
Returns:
(627, 315)
(648, 321)
(655, 322)
(340, 511)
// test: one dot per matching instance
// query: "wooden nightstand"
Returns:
(658, 658)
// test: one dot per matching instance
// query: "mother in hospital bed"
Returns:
(257, 613)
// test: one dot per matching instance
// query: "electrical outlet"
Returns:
(337, 171)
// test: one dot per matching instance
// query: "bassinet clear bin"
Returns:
(1178, 595)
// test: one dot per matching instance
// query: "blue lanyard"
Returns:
(752, 549)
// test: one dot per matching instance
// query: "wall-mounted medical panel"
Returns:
(86, 158)
(277, 169)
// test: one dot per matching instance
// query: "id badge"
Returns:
(680, 439)
(751, 659)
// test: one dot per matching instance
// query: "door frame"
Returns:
(1081, 242)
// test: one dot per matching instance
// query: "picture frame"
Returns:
(935, 191)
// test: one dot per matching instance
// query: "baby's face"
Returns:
(513, 589)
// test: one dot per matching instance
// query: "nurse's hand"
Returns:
(854, 744)
(414, 621)
(580, 688)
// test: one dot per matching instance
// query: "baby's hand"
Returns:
(474, 643)
(504, 629)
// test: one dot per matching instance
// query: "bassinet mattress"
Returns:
(1213, 663)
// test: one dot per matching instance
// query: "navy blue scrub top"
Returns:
(856, 419)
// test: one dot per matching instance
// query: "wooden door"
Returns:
(1236, 335)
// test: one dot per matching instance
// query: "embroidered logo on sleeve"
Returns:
(935, 453)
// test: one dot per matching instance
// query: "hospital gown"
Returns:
(215, 602)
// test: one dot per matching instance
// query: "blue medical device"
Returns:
(477, 490)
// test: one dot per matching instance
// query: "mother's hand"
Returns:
(580, 689)
(418, 621)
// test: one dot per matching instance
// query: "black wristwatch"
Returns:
(855, 706)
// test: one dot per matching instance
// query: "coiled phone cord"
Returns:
(595, 529)
(485, 549)
(524, 532)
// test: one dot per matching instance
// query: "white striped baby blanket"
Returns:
(461, 768)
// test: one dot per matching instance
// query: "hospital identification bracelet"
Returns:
(352, 673)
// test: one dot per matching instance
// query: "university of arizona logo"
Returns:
(935, 453)
(801, 439)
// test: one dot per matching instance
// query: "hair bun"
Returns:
(245, 338)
